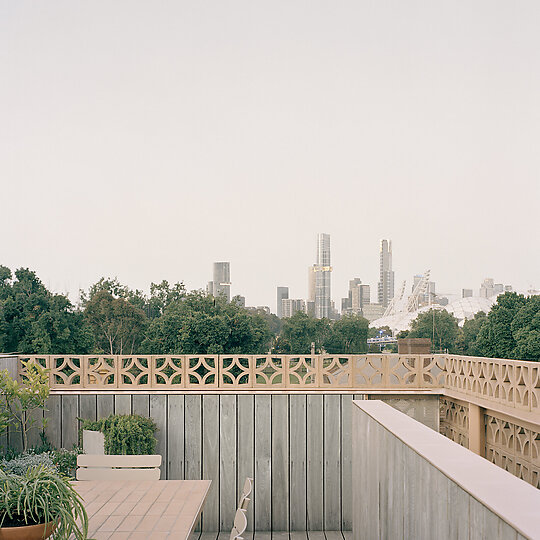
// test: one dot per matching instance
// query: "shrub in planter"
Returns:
(41, 496)
(128, 434)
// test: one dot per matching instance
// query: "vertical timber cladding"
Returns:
(297, 447)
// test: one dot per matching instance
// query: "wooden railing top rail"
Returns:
(507, 382)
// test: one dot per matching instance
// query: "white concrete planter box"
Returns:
(93, 442)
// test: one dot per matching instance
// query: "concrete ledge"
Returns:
(509, 498)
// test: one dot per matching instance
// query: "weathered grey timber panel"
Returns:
(332, 463)
(53, 420)
(70, 424)
(227, 461)
(158, 412)
(193, 437)
(297, 448)
(141, 405)
(88, 406)
(105, 405)
(210, 464)
(346, 462)
(280, 463)
(122, 404)
(263, 463)
(175, 437)
(35, 429)
(246, 448)
(314, 447)
(297, 460)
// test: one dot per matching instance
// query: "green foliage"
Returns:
(42, 495)
(201, 324)
(439, 326)
(512, 328)
(20, 400)
(118, 325)
(495, 338)
(347, 335)
(22, 463)
(469, 334)
(300, 331)
(125, 434)
(35, 321)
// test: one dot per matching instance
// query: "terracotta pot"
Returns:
(28, 532)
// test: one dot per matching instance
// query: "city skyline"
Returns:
(202, 135)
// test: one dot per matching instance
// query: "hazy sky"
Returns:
(146, 140)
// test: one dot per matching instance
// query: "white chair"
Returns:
(240, 525)
(105, 467)
(246, 492)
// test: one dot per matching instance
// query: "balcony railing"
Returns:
(509, 383)
(243, 372)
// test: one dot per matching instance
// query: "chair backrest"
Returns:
(240, 524)
(104, 467)
(246, 492)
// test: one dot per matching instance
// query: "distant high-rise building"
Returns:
(386, 274)
(221, 283)
(282, 294)
(323, 271)
(498, 288)
(312, 274)
(466, 293)
(358, 296)
(487, 288)
(289, 306)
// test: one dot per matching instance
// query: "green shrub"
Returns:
(64, 461)
(21, 464)
(125, 434)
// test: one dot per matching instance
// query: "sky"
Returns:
(146, 140)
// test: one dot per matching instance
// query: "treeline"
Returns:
(113, 319)
(510, 330)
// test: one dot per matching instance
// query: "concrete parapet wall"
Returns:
(411, 482)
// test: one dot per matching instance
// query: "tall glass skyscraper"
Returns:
(221, 284)
(386, 274)
(323, 272)
(282, 294)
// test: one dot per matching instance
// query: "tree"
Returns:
(469, 334)
(35, 321)
(349, 335)
(439, 326)
(201, 324)
(526, 330)
(162, 295)
(20, 400)
(495, 338)
(300, 331)
(118, 326)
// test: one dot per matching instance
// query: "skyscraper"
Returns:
(282, 294)
(386, 274)
(221, 283)
(323, 272)
(291, 306)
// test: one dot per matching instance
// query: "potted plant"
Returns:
(39, 502)
(124, 434)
